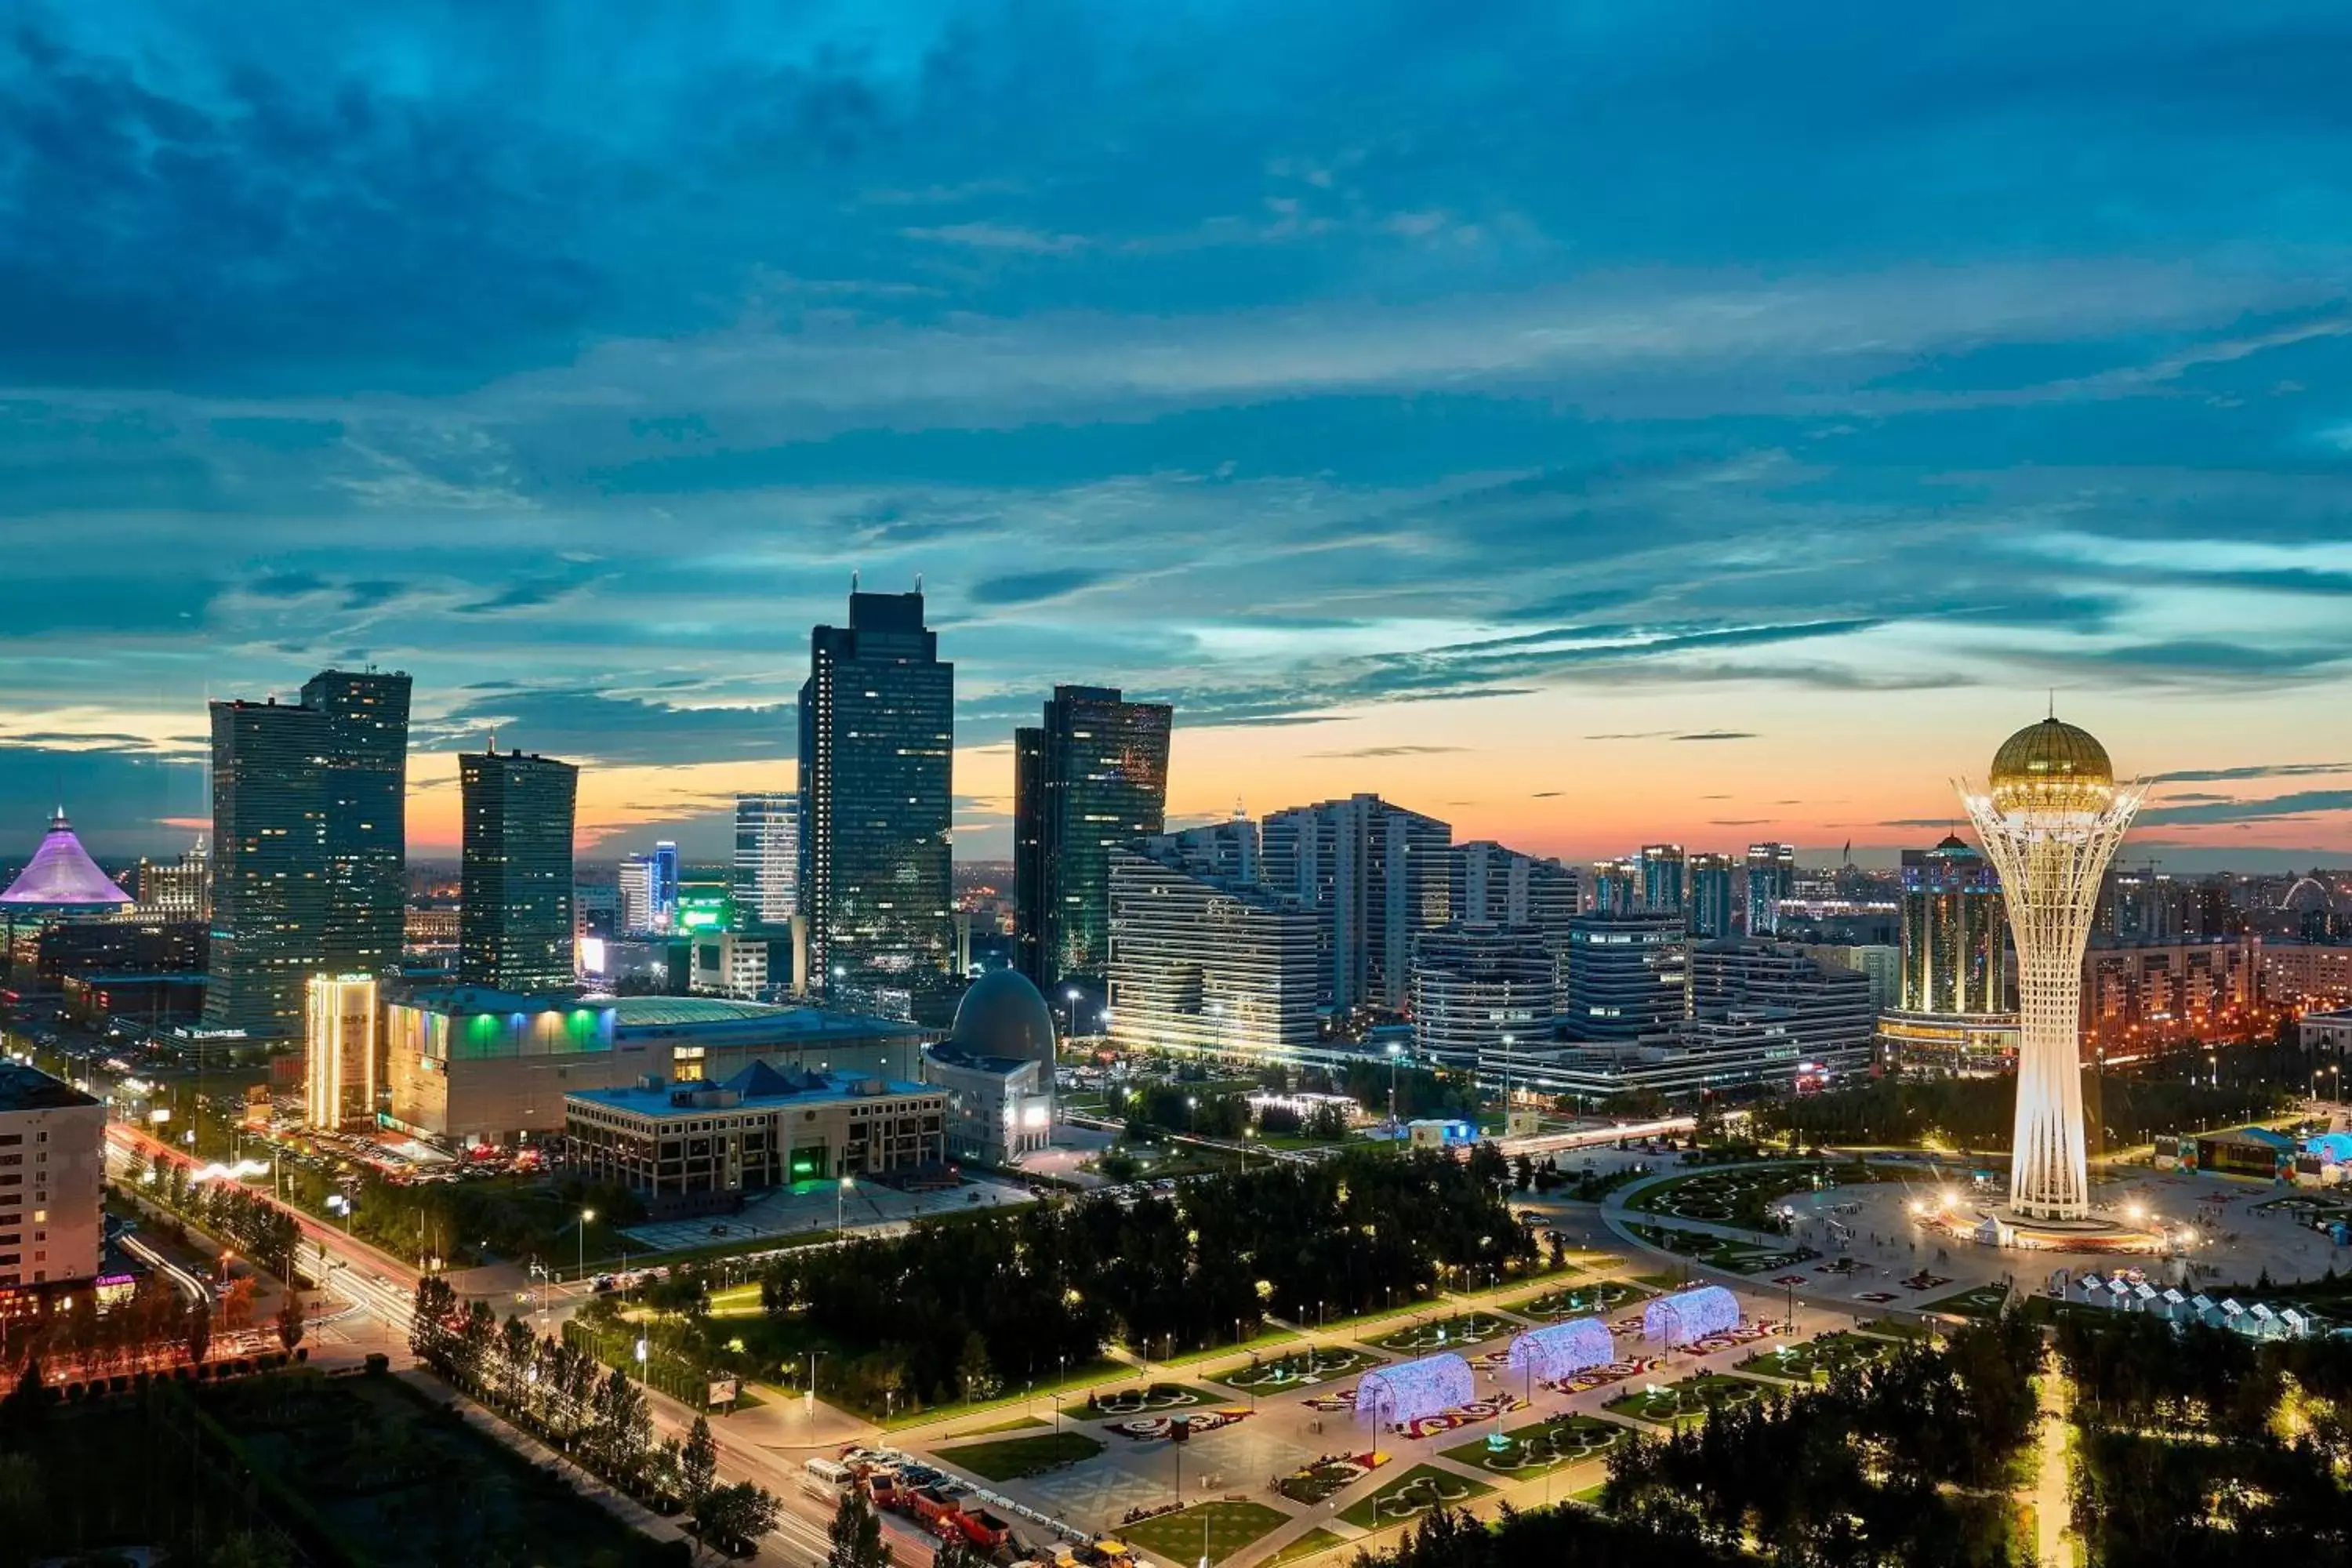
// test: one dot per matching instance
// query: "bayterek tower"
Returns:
(2051, 818)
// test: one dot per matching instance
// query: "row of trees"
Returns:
(1554, 1537)
(1980, 1113)
(260, 1229)
(2196, 1443)
(1905, 1463)
(956, 1310)
(593, 1414)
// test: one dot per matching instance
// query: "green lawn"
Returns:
(1230, 1525)
(1261, 1340)
(1828, 1355)
(1546, 1446)
(1446, 1333)
(1011, 1458)
(1721, 1251)
(1015, 1424)
(1983, 1301)
(1688, 1400)
(1299, 1369)
(1578, 1300)
(1152, 1400)
(1313, 1543)
(1411, 1494)
(1081, 1379)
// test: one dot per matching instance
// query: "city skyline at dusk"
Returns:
(1736, 474)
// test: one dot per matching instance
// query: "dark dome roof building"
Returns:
(1003, 1016)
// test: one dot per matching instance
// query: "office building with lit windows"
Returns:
(514, 922)
(1662, 868)
(1951, 1014)
(269, 865)
(1481, 989)
(877, 777)
(1092, 774)
(1614, 888)
(702, 1148)
(1200, 962)
(364, 774)
(1625, 974)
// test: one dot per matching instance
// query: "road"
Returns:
(384, 1287)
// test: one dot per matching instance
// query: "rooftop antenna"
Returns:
(2053, 702)
(919, 582)
(852, 579)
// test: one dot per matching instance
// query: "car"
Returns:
(604, 1282)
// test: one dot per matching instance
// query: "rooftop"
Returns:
(641, 1017)
(29, 1089)
(756, 1085)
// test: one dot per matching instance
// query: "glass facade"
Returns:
(269, 865)
(365, 774)
(1093, 776)
(876, 771)
(1771, 876)
(767, 860)
(514, 923)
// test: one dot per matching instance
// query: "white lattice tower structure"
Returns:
(2051, 820)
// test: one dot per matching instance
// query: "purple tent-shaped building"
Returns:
(1688, 1315)
(62, 876)
(1563, 1349)
(1390, 1395)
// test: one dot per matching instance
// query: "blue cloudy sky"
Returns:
(1587, 423)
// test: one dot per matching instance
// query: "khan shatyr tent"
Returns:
(62, 876)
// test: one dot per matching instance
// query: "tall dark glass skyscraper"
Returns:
(514, 920)
(877, 774)
(366, 772)
(1094, 774)
(269, 865)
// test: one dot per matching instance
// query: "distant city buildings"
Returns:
(767, 860)
(1203, 960)
(1708, 912)
(515, 925)
(1614, 888)
(364, 773)
(1661, 868)
(1092, 774)
(876, 757)
(174, 891)
(1771, 876)
(1951, 1012)
(1377, 875)
(633, 882)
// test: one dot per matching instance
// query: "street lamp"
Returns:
(587, 1218)
(840, 1196)
(1396, 1055)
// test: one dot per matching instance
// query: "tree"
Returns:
(698, 1464)
(743, 1512)
(289, 1319)
(957, 1554)
(979, 1377)
(1523, 1174)
(196, 1332)
(249, 1548)
(237, 1304)
(428, 1323)
(855, 1536)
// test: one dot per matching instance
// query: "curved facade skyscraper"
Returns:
(2051, 818)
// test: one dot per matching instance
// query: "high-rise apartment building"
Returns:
(1490, 884)
(633, 881)
(1478, 989)
(1771, 876)
(365, 773)
(514, 928)
(269, 865)
(53, 1159)
(664, 886)
(1378, 875)
(1201, 961)
(1625, 974)
(1616, 888)
(1662, 867)
(1708, 909)
(767, 860)
(1093, 774)
(1781, 1015)
(1954, 942)
(877, 771)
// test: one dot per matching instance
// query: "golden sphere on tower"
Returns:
(2052, 765)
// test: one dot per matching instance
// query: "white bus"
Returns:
(828, 1478)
